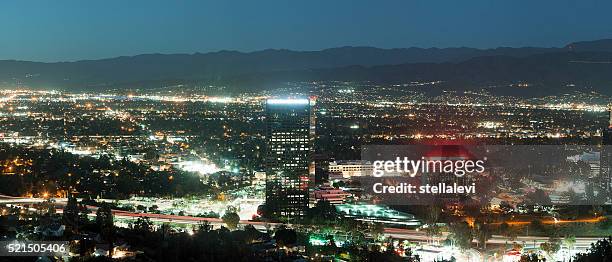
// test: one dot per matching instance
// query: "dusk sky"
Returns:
(73, 30)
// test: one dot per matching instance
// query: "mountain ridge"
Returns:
(348, 62)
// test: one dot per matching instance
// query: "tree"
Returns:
(531, 258)
(204, 226)
(375, 255)
(70, 215)
(143, 225)
(322, 213)
(432, 214)
(505, 207)
(432, 231)
(552, 246)
(48, 206)
(461, 235)
(538, 197)
(482, 232)
(285, 237)
(151, 154)
(251, 234)
(377, 230)
(164, 230)
(231, 218)
(339, 184)
(104, 220)
(507, 231)
(569, 241)
(600, 251)
(83, 214)
(104, 216)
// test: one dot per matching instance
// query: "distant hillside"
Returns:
(580, 63)
(158, 67)
(545, 73)
(603, 45)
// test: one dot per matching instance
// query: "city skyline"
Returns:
(195, 165)
(348, 130)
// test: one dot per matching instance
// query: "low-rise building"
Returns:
(333, 195)
(350, 168)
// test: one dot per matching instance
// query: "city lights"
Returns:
(233, 139)
(287, 101)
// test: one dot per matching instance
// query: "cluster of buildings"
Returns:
(278, 137)
(291, 188)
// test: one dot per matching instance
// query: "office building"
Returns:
(606, 160)
(289, 156)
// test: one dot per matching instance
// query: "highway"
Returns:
(582, 243)
(527, 241)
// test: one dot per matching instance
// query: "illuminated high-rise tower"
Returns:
(606, 157)
(289, 156)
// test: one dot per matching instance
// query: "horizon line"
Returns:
(286, 49)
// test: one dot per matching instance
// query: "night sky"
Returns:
(73, 30)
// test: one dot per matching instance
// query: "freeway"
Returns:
(582, 243)
(4, 199)
(186, 219)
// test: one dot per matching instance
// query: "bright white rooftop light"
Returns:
(198, 167)
(287, 101)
